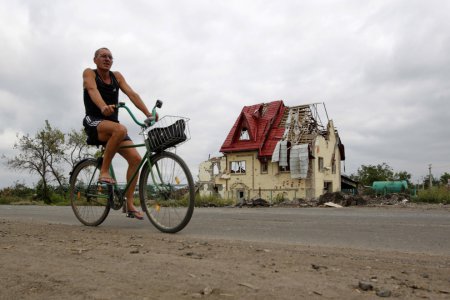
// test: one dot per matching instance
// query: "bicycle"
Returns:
(165, 187)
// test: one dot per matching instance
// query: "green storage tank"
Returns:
(390, 186)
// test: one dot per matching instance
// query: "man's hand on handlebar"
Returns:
(108, 110)
(150, 119)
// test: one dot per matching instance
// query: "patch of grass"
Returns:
(212, 201)
(14, 200)
(8, 199)
(56, 199)
(434, 195)
(59, 200)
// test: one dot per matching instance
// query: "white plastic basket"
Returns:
(168, 132)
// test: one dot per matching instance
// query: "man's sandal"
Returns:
(106, 180)
(135, 214)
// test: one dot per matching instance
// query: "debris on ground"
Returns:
(365, 286)
(331, 204)
(367, 200)
(255, 203)
(336, 199)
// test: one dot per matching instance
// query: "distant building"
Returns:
(275, 152)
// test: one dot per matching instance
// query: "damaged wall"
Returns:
(210, 175)
(256, 182)
(327, 167)
(247, 174)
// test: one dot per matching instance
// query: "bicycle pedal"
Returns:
(128, 215)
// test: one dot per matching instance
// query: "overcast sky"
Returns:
(381, 67)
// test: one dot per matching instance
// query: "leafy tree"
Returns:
(41, 154)
(366, 175)
(76, 147)
(403, 175)
(444, 178)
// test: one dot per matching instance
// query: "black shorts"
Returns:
(90, 127)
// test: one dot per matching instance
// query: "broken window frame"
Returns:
(320, 164)
(327, 186)
(264, 167)
(288, 167)
(244, 136)
(215, 169)
(237, 167)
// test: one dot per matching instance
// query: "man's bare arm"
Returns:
(134, 97)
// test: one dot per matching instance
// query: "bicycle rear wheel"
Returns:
(89, 199)
(166, 192)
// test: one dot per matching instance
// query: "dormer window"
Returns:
(244, 135)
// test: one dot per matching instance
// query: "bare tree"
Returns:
(41, 154)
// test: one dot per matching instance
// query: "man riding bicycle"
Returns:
(101, 123)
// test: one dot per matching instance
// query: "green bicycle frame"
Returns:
(146, 156)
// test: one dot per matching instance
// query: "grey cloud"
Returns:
(381, 67)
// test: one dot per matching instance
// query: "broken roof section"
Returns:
(259, 127)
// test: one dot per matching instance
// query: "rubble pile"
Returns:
(368, 200)
(335, 199)
(254, 203)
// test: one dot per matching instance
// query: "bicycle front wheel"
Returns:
(166, 191)
(89, 199)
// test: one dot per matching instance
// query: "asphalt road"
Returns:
(375, 228)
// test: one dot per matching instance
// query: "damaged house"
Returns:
(275, 152)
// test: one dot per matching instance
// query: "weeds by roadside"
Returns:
(22, 195)
(212, 201)
(438, 194)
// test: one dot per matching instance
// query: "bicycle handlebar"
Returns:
(147, 122)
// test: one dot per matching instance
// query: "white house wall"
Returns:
(325, 148)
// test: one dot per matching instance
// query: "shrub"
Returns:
(208, 201)
(17, 193)
(59, 199)
(434, 195)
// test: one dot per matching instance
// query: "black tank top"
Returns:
(109, 93)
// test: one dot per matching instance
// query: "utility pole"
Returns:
(431, 182)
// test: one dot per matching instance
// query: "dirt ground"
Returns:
(52, 261)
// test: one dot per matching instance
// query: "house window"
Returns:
(320, 164)
(264, 167)
(244, 135)
(333, 166)
(237, 167)
(327, 187)
(286, 157)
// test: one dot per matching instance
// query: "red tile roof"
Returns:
(262, 122)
